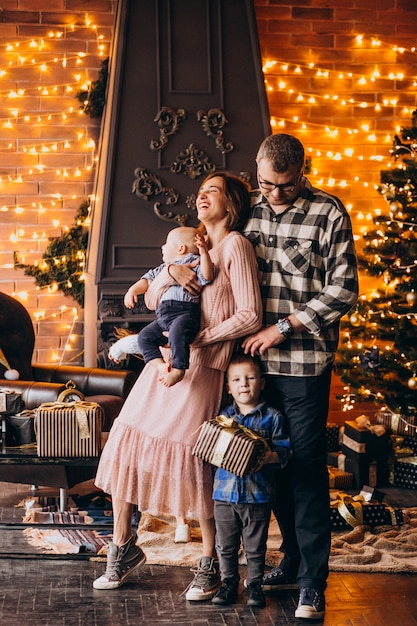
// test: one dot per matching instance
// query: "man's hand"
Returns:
(262, 340)
(185, 276)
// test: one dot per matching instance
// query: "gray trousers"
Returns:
(249, 522)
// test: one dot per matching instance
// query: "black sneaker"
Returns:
(227, 594)
(206, 580)
(278, 579)
(311, 604)
(256, 596)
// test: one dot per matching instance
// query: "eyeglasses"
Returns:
(283, 187)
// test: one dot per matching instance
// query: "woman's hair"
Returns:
(237, 196)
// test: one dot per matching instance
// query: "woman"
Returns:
(147, 459)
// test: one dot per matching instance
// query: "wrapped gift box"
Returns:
(405, 472)
(224, 443)
(10, 402)
(360, 443)
(332, 437)
(409, 443)
(398, 424)
(70, 429)
(20, 429)
(339, 479)
(363, 472)
(356, 441)
(369, 514)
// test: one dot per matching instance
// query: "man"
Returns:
(308, 277)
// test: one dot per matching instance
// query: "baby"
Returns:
(178, 312)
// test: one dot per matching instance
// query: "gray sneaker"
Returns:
(206, 581)
(120, 563)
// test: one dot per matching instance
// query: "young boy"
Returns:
(178, 312)
(242, 506)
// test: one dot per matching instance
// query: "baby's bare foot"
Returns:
(172, 377)
(163, 368)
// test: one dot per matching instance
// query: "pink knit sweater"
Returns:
(231, 305)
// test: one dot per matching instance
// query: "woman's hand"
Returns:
(185, 276)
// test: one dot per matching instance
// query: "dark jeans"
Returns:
(249, 521)
(182, 321)
(302, 505)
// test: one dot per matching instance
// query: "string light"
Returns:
(40, 157)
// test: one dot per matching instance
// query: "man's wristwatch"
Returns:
(284, 327)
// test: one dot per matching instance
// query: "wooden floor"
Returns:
(44, 591)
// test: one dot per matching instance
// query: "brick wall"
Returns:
(323, 90)
(48, 50)
(323, 103)
(317, 88)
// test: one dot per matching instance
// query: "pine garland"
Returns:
(93, 100)
(63, 260)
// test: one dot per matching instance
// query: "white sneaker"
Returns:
(182, 533)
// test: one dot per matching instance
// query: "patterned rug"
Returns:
(360, 549)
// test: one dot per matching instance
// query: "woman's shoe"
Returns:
(182, 533)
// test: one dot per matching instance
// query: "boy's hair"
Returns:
(245, 358)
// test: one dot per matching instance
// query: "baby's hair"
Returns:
(246, 358)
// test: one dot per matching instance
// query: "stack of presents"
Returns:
(362, 457)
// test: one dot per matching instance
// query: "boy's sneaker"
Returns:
(278, 579)
(256, 596)
(311, 604)
(120, 563)
(227, 594)
(206, 580)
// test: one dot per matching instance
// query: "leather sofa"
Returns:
(44, 383)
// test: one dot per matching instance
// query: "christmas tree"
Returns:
(377, 357)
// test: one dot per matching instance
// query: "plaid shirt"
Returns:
(260, 486)
(307, 266)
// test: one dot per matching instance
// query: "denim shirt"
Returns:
(260, 486)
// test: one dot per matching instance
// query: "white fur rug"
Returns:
(384, 549)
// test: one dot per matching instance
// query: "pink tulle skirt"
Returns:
(147, 459)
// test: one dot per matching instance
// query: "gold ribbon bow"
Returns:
(356, 518)
(232, 424)
(81, 409)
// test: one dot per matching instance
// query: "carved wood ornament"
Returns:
(191, 161)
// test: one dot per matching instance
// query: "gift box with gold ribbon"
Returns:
(363, 472)
(225, 443)
(363, 441)
(350, 511)
(339, 479)
(69, 429)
